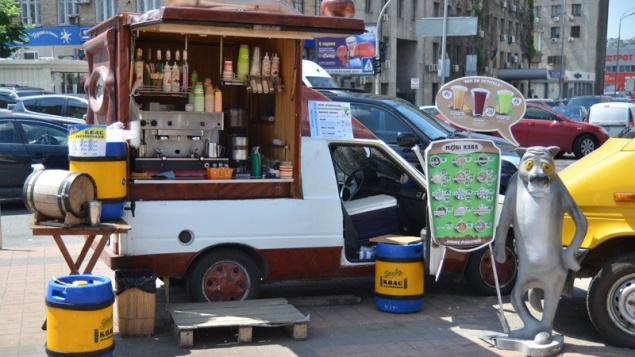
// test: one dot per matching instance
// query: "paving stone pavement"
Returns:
(451, 323)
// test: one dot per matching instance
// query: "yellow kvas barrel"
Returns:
(79, 316)
(109, 173)
(399, 277)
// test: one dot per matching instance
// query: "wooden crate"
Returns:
(242, 314)
(136, 312)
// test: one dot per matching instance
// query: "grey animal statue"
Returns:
(535, 203)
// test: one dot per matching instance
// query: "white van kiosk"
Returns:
(314, 76)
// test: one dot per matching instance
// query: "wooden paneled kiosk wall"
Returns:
(212, 35)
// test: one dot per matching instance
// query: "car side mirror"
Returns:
(406, 140)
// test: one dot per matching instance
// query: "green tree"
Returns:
(10, 32)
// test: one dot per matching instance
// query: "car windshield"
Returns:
(322, 82)
(431, 127)
(583, 102)
(573, 113)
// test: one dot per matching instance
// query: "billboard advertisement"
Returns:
(348, 55)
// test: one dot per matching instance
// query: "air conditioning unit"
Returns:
(31, 55)
(503, 37)
(504, 4)
(481, 33)
(571, 18)
(536, 19)
(455, 68)
(514, 59)
(430, 68)
(556, 18)
(514, 8)
(554, 39)
(512, 39)
(82, 2)
(73, 19)
(571, 39)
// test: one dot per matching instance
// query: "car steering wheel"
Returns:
(352, 185)
(47, 139)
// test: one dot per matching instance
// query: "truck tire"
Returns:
(223, 275)
(611, 301)
(479, 274)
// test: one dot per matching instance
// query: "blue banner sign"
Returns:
(55, 36)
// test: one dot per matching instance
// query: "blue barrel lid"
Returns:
(80, 290)
(399, 251)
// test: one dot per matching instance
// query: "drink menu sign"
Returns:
(87, 140)
(463, 179)
(330, 119)
(482, 104)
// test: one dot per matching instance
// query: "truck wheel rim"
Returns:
(622, 304)
(226, 281)
(505, 271)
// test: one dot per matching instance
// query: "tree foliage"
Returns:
(10, 32)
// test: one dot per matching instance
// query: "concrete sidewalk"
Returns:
(450, 324)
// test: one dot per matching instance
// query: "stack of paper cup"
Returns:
(286, 169)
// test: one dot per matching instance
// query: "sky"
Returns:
(616, 9)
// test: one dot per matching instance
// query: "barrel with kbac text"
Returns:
(109, 173)
(79, 316)
(399, 277)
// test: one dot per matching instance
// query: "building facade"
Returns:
(546, 48)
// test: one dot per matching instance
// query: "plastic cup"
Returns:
(479, 95)
(458, 96)
(504, 100)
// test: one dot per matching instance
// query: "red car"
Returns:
(541, 126)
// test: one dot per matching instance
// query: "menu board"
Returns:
(463, 180)
(330, 119)
(87, 140)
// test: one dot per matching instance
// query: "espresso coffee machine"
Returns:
(172, 140)
(238, 153)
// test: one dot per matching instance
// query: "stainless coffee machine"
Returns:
(174, 140)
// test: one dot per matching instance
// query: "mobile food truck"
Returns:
(198, 203)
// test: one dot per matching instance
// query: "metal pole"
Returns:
(619, 35)
(377, 37)
(561, 79)
(443, 43)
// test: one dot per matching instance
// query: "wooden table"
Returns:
(90, 233)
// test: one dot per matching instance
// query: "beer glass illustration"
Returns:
(504, 101)
(479, 95)
(458, 96)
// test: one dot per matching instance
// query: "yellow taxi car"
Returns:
(602, 183)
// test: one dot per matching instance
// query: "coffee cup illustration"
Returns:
(480, 226)
(462, 226)
(437, 160)
(461, 160)
(479, 96)
(459, 177)
(441, 195)
(440, 211)
(483, 160)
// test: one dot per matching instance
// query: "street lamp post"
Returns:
(563, 15)
(625, 14)
(377, 37)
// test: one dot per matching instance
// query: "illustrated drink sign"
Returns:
(463, 180)
(482, 104)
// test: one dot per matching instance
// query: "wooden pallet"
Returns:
(242, 314)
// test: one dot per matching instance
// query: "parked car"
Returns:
(547, 102)
(574, 113)
(401, 125)
(65, 105)
(616, 117)
(541, 126)
(29, 142)
(602, 186)
(587, 101)
(9, 94)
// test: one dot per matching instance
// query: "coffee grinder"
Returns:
(238, 153)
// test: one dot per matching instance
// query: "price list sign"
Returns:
(87, 140)
(330, 119)
(463, 179)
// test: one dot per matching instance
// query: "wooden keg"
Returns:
(57, 193)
